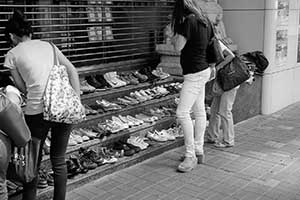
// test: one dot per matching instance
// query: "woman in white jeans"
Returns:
(192, 31)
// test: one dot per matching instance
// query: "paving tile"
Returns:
(226, 189)
(85, 193)
(264, 165)
(138, 196)
(93, 189)
(107, 185)
(154, 177)
(104, 196)
(245, 195)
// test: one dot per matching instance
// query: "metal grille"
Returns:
(94, 32)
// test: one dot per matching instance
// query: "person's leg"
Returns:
(226, 104)
(200, 113)
(39, 129)
(59, 140)
(188, 96)
(5, 151)
(213, 131)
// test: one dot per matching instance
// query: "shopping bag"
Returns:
(233, 74)
(12, 122)
(24, 162)
(61, 103)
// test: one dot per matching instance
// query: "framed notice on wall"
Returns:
(298, 50)
(282, 32)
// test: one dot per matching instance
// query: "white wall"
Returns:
(252, 25)
(244, 23)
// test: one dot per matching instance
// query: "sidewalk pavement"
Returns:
(264, 164)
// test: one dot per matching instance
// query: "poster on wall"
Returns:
(298, 52)
(283, 12)
(282, 32)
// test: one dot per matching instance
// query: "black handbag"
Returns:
(233, 74)
(12, 122)
(24, 162)
(214, 52)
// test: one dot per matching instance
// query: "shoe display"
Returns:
(42, 179)
(89, 110)
(112, 79)
(108, 106)
(102, 81)
(78, 136)
(50, 178)
(159, 73)
(113, 126)
(146, 118)
(156, 137)
(85, 87)
(134, 120)
(122, 124)
(141, 77)
(123, 146)
(148, 72)
(143, 93)
(125, 101)
(138, 96)
(76, 166)
(13, 188)
(137, 141)
(88, 132)
(133, 79)
(94, 82)
(91, 155)
(72, 141)
(165, 134)
(133, 100)
(46, 146)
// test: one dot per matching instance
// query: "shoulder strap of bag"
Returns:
(55, 58)
(211, 31)
(55, 62)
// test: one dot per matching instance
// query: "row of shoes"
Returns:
(133, 98)
(165, 135)
(45, 179)
(80, 135)
(160, 73)
(89, 159)
(120, 122)
(130, 145)
(113, 79)
(161, 112)
(13, 187)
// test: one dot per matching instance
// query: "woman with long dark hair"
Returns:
(192, 32)
(30, 62)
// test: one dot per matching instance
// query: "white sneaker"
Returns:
(165, 134)
(156, 137)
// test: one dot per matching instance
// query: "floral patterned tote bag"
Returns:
(61, 103)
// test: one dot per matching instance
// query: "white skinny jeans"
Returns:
(192, 99)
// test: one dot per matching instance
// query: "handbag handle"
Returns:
(55, 62)
(55, 58)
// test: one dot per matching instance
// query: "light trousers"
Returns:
(192, 97)
(221, 127)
